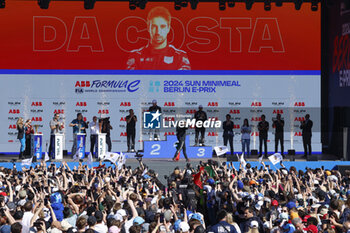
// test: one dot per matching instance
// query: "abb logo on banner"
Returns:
(235, 111)
(256, 119)
(256, 104)
(125, 104)
(58, 111)
(169, 118)
(213, 104)
(254, 134)
(81, 104)
(37, 119)
(37, 104)
(299, 104)
(213, 134)
(298, 134)
(169, 104)
(299, 119)
(12, 127)
(191, 111)
(236, 126)
(14, 111)
(277, 111)
(169, 133)
(103, 111)
(123, 119)
(123, 134)
(82, 84)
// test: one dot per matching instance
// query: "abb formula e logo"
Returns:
(111, 85)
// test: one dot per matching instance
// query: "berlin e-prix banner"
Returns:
(105, 61)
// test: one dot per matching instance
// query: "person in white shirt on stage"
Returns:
(94, 131)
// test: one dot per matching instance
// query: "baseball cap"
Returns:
(121, 212)
(154, 101)
(22, 194)
(200, 106)
(197, 217)
(311, 228)
(254, 224)
(274, 203)
(177, 225)
(138, 221)
(184, 227)
(211, 181)
(291, 205)
(167, 215)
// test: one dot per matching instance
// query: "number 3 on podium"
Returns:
(201, 152)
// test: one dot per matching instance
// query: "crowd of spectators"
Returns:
(210, 197)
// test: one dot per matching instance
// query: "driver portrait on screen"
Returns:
(158, 54)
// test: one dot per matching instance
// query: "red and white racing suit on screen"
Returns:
(168, 58)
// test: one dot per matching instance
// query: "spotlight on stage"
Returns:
(44, 4)
(279, 3)
(267, 5)
(89, 4)
(2, 3)
(194, 4)
(222, 5)
(314, 5)
(249, 4)
(231, 3)
(297, 4)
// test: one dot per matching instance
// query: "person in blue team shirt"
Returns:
(79, 126)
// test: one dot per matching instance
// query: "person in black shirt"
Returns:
(106, 128)
(181, 137)
(200, 115)
(228, 132)
(154, 108)
(278, 124)
(263, 128)
(131, 120)
(306, 126)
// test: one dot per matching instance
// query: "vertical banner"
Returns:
(58, 146)
(81, 145)
(101, 145)
(37, 140)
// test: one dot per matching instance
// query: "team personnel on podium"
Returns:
(56, 127)
(154, 108)
(200, 115)
(131, 120)
(306, 126)
(79, 126)
(94, 131)
(278, 124)
(228, 135)
(263, 128)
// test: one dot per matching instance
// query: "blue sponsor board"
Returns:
(81, 145)
(37, 145)
(167, 149)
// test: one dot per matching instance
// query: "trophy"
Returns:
(36, 128)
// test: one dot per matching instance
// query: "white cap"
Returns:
(184, 227)
(121, 212)
(254, 224)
